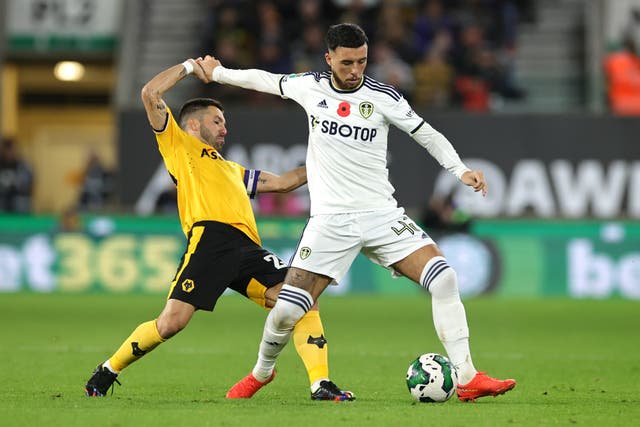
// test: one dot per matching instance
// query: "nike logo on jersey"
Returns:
(323, 104)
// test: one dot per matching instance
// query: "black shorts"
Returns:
(218, 257)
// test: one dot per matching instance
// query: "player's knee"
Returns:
(169, 326)
(292, 304)
(446, 285)
(440, 279)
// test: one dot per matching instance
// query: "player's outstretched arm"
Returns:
(259, 80)
(288, 181)
(476, 180)
(155, 88)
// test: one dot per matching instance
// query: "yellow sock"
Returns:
(308, 337)
(141, 341)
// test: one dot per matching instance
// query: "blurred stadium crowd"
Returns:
(439, 54)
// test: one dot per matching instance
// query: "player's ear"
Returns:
(193, 125)
(327, 58)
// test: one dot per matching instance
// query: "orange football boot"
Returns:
(247, 387)
(483, 385)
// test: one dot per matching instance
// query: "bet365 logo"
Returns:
(600, 274)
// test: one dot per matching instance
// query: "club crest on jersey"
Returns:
(305, 252)
(366, 109)
(188, 285)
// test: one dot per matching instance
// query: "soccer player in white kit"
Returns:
(352, 205)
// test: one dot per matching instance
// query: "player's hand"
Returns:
(198, 71)
(208, 64)
(476, 180)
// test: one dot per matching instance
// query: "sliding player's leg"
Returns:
(202, 276)
(144, 338)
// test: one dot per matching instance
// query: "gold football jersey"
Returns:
(210, 188)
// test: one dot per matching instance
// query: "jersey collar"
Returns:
(333, 86)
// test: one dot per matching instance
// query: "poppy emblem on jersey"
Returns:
(305, 252)
(188, 285)
(366, 109)
(344, 109)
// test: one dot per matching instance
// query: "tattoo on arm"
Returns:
(160, 106)
(183, 72)
(262, 180)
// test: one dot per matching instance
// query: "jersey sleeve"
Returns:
(403, 117)
(167, 138)
(249, 177)
(295, 86)
(288, 86)
(259, 80)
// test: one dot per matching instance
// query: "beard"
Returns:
(209, 138)
(344, 84)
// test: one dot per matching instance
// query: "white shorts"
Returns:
(330, 243)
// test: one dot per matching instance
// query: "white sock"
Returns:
(316, 385)
(108, 366)
(449, 317)
(291, 305)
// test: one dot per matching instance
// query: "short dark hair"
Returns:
(345, 35)
(195, 105)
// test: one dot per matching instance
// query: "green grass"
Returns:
(576, 362)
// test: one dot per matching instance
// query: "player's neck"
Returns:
(335, 84)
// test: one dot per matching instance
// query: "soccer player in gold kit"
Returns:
(224, 248)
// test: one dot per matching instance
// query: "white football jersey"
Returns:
(348, 129)
(347, 152)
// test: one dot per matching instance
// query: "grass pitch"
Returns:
(576, 363)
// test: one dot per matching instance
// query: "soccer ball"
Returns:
(432, 378)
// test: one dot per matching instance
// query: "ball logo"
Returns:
(366, 109)
(344, 109)
(305, 252)
(188, 285)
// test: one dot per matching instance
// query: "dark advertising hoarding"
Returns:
(536, 166)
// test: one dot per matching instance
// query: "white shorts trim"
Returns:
(330, 243)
